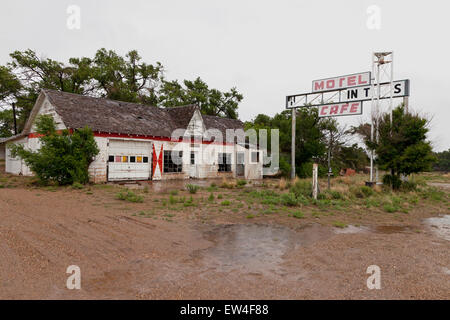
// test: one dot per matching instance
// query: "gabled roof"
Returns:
(105, 115)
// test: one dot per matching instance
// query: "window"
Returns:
(111, 159)
(175, 164)
(192, 157)
(240, 156)
(255, 156)
(145, 159)
(125, 159)
(224, 162)
(132, 159)
(139, 159)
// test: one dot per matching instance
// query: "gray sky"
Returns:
(267, 49)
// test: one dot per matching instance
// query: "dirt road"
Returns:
(123, 256)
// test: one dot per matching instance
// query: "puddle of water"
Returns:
(254, 248)
(440, 226)
(391, 229)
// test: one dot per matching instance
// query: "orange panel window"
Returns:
(124, 159)
(139, 159)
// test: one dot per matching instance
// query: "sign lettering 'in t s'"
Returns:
(340, 109)
(349, 81)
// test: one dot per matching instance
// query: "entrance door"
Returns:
(193, 165)
(240, 164)
(129, 160)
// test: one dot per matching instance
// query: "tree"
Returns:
(211, 101)
(63, 158)
(401, 148)
(107, 74)
(443, 161)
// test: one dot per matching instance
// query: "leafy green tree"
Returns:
(211, 101)
(402, 147)
(63, 158)
(107, 74)
(443, 161)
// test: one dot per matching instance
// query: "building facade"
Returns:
(139, 142)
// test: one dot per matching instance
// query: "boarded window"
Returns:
(224, 162)
(111, 159)
(132, 159)
(192, 157)
(255, 156)
(173, 162)
(145, 159)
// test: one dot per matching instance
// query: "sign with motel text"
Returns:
(336, 83)
(340, 109)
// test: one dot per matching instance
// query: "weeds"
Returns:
(129, 196)
(192, 188)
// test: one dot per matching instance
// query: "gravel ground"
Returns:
(128, 257)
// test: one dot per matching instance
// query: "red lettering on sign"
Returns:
(341, 80)
(354, 107)
(360, 81)
(351, 81)
(334, 109)
(344, 108)
(330, 84)
(322, 110)
(318, 85)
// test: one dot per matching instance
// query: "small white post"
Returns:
(315, 183)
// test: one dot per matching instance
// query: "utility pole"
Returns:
(14, 116)
(293, 144)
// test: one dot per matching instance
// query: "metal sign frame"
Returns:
(337, 93)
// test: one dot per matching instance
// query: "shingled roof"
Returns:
(105, 115)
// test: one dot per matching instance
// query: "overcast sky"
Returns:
(267, 49)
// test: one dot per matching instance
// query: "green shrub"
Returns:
(192, 188)
(173, 192)
(219, 196)
(407, 186)
(241, 183)
(392, 181)
(339, 224)
(298, 214)
(64, 157)
(289, 199)
(172, 199)
(129, 196)
(225, 203)
(77, 185)
(211, 197)
(302, 188)
(389, 207)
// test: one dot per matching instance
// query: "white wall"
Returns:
(16, 165)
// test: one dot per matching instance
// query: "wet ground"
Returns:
(122, 256)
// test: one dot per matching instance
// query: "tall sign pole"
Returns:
(293, 144)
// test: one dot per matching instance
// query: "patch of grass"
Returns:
(302, 188)
(219, 196)
(298, 214)
(77, 185)
(289, 199)
(173, 192)
(192, 188)
(241, 183)
(339, 224)
(172, 200)
(389, 207)
(129, 196)
(361, 191)
(250, 216)
(225, 203)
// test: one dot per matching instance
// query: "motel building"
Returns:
(136, 141)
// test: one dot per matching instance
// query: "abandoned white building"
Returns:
(136, 141)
